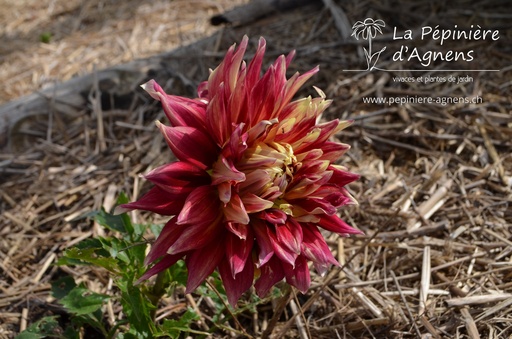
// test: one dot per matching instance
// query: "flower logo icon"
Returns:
(367, 30)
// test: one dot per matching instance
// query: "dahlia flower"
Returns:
(254, 182)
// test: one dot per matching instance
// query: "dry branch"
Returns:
(478, 299)
(254, 10)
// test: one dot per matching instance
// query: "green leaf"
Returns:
(45, 37)
(179, 273)
(29, 335)
(118, 223)
(132, 334)
(156, 229)
(61, 287)
(138, 230)
(71, 333)
(173, 328)
(42, 328)
(93, 319)
(122, 199)
(137, 308)
(90, 243)
(64, 261)
(117, 249)
(80, 301)
(90, 256)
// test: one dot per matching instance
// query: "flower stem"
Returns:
(158, 290)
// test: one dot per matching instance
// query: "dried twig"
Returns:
(406, 304)
(478, 299)
(425, 280)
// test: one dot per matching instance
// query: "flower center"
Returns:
(282, 171)
(271, 166)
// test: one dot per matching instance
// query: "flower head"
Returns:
(367, 28)
(255, 179)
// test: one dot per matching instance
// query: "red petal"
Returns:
(199, 268)
(259, 130)
(326, 131)
(231, 75)
(254, 204)
(274, 216)
(334, 224)
(254, 68)
(224, 170)
(237, 143)
(271, 273)
(190, 144)
(194, 236)
(281, 251)
(341, 177)
(316, 249)
(240, 230)
(290, 235)
(262, 98)
(178, 177)
(218, 118)
(266, 251)
(338, 199)
(236, 286)
(293, 85)
(237, 100)
(224, 190)
(255, 182)
(228, 69)
(167, 237)
(234, 211)
(298, 276)
(156, 200)
(166, 262)
(315, 206)
(333, 150)
(237, 252)
(206, 198)
(179, 110)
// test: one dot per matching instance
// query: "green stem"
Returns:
(158, 290)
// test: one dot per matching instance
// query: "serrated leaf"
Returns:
(122, 199)
(117, 249)
(138, 230)
(80, 301)
(137, 309)
(61, 287)
(172, 328)
(90, 256)
(156, 229)
(71, 333)
(89, 243)
(40, 329)
(118, 223)
(129, 336)
(29, 335)
(93, 319)
(64, 261)
(179, 273)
